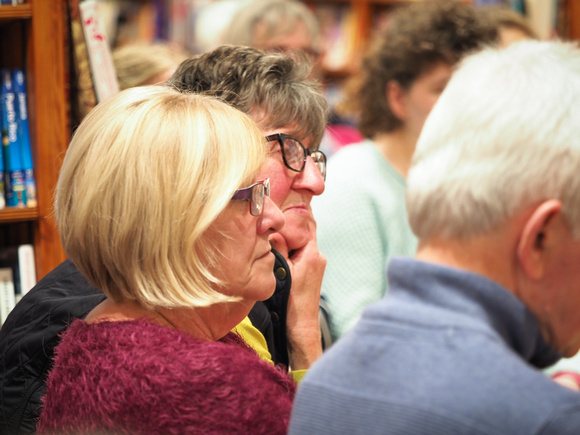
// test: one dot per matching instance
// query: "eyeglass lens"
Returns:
(295, 154)
(257, 201)
(320, 162)
(255, 195)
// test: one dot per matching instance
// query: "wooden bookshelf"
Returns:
(572, 19)
(20, 12)
(32, 36)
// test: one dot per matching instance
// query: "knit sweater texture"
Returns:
(136, 377)
(445, 352)
(33, 329)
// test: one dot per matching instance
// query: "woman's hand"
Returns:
(307, 266)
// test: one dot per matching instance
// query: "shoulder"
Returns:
(61, 296)
(166, 373)
(360, 173)
(142, 347)
(31, 332)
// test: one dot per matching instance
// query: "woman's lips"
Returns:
(301, 209)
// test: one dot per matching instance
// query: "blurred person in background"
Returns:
(275, 25)
(288, 26)
(512, 26)
(362, 217)
(146, 64)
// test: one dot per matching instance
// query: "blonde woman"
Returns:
(159, 205)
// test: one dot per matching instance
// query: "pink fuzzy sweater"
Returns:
(136, 377)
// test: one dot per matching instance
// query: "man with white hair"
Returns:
(493, 294)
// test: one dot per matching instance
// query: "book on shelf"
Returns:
(340, 35)
(17, 276)
(13, 2)
(7, 295)
(25, 145)
(82, 86)
(20, 260)
(14, 185)
(99, 52)
(4, 140)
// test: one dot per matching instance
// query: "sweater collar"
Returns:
(481, 303)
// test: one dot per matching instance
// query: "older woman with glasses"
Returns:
(274, 91)
(160, 206)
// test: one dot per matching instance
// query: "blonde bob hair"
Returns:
(145, 175)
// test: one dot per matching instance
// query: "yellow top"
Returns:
(254, 338)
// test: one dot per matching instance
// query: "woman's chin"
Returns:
(269, 290)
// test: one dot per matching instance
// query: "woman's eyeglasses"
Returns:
(294, 153)
(255, 194)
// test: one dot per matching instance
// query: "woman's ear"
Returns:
(396, 99)
(536, 236)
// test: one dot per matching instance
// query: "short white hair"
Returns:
(504, 135)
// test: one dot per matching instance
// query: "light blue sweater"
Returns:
(361, 222)
(445, 352)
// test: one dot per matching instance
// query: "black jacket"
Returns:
(31, 332)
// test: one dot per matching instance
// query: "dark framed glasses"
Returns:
(294, 153)
(255, 194)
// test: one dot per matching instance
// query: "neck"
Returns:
(204, 323)
(489, 255)
(397, 147)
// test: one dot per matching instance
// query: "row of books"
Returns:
(17, 276)
(152, 20)
(13, 2)
(17, 183)
(341, 35)
(175, 21)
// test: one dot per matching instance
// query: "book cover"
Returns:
(99, 52)
(13, 171)
(24, 134)
(7, 296)
(83, 89)
(3, 140)
(20, 260)
(26, 268)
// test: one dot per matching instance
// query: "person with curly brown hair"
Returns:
(361, 217)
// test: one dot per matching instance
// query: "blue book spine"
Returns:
(4, 138)
(25, 146)
(14, 174)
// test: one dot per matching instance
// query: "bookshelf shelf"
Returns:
(33, 37)
(8, 13)
(9, 215)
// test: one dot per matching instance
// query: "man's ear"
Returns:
(396, 99)
(537, 233)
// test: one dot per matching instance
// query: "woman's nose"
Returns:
(310, 178)
(272, 217)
